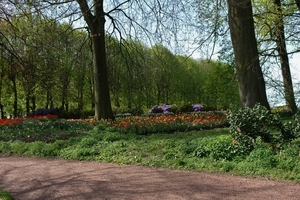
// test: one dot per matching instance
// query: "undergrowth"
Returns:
(270, 153)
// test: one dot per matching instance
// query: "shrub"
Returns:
(43, 111)
(296, 125)
(247, 124)
(191, 108)
(160, 109)
(186, 108)
(220, 148)
(156, 109)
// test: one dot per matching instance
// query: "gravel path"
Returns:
(42, 179)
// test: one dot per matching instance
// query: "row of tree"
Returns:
(52, 69)
(168, 22)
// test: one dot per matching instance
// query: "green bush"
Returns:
(186, 108)
(295, 126)
(247, 124)
(220, 148)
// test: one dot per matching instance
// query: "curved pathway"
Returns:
(42, 179)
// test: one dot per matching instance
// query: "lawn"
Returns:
(197, 141)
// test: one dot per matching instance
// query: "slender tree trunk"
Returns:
(33, 108)
(250, 77)
(12, 77)
(80, 98)
(1, 106)
(298, 3)
(284, 61)
(27, 104)
(15, 91)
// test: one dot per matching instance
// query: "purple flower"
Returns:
(165, 108)
(160, 109)
(156, 109)
(197, 107)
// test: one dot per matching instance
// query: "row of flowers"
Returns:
(170, 123)
(149, 124)
(171, 109)
(19, 120)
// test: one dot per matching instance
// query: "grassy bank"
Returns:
(206, 150)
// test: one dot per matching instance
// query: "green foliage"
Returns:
(209, 150)
(47, 130)
(247, 124)
(5, 195)
(186, 108)
(139, 76)
(220, 148)
(296, 125)
(218, 78)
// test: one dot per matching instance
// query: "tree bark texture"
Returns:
(250, 77)
(96, 24)
(284, 61)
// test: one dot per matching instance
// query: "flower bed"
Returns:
(40, 128)
(19, 120)
(170, 123)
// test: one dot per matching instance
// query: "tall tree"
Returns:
(96, 25)
(250, 77)
(276, 29)
(284, 59)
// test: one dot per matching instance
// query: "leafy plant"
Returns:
(247, 124)
(222, 147)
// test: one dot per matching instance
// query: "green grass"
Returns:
(206, 150)
(5, 195)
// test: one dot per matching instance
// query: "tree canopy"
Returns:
(93, 55)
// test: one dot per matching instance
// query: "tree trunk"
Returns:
(15, 91)
(33, 108)
(250, 77)
(284, 61)
(1, 106)
(101, 87)
(96, 24)
(27, 104)
(298, 4)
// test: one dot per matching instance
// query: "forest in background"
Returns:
(57, 73)
(142, 54)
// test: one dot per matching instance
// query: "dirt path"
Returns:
(41, 179)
